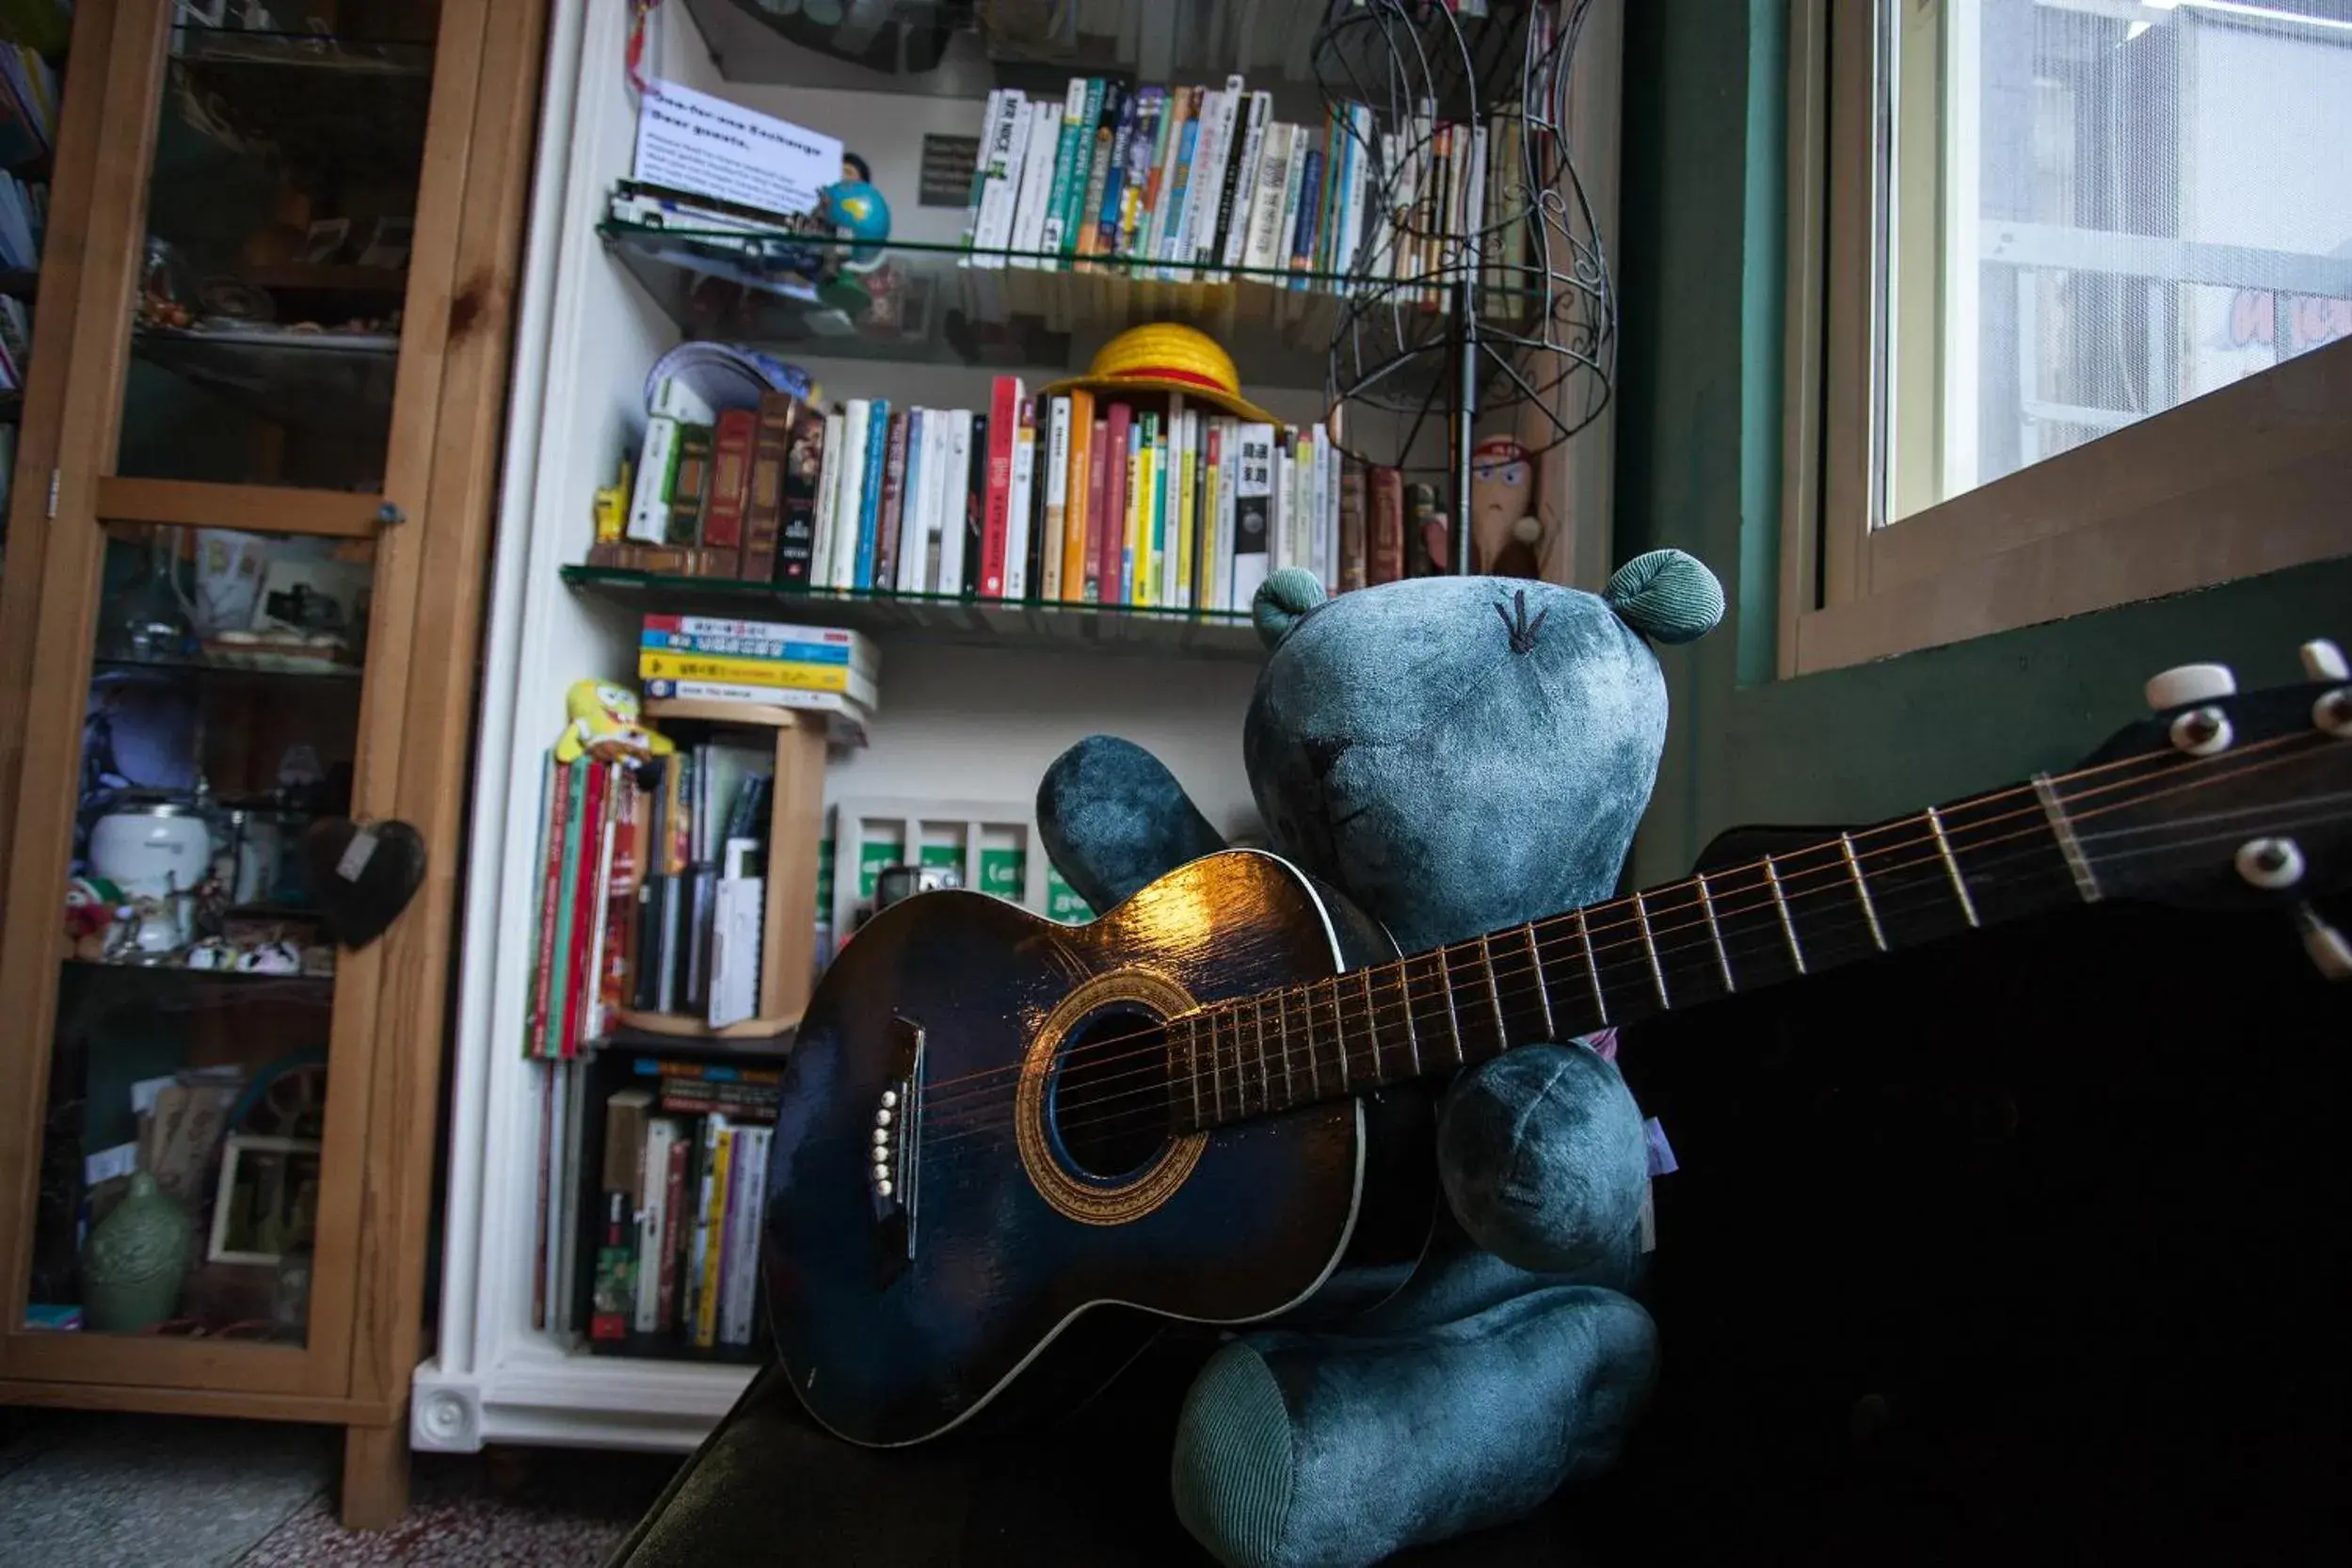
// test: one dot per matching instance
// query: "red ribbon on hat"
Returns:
(1168, 373)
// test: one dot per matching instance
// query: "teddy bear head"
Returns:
(1461, 754)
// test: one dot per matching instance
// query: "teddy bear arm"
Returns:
(1544, 1163)
(1113, 819)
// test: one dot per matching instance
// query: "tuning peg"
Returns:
(2185, 683)
(2324, 943)
(2324, 661)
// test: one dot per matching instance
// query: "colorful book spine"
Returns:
(1172, 234)
(1061, 228)
(1253, 507)
(690, 486)
(763, 518)
(1385, 524)
(871, 458)
(1135, 190)
(1019, 526)
(906, 575)
(1106, 212)
(1097, 449)
(892, 518)
(1118, 472)
(729, 496)
(1099, 158)
(1187, 504)
(997, 499)
(796, 531)
(829, 468)
(1056, 481)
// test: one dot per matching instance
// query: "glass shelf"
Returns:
(330, 382)
(936, 617)
(258, 666)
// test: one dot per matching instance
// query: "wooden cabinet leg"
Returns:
(374, 1475)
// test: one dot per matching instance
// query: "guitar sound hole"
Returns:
(1111, 1096)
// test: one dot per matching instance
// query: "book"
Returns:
(729, 494)
(990, 118)
(1061, 205)
(1098, 153)
(1274, 175)
(746, 1210)
(857, 415)
(1116, 172)
(1117, 512)
(657, 469)
(890, 521)
(1001, 155)
(1172, 238)
(690, 483)
(870, 491)
(1233, 223)
(829, 468)
(804, 460)
(763, 511)
(613, 1295)
(1151, 106)
(1167, 137)
(996, 486)
(1420, 511)
(1021, 527)
(652, 1217)
(1097, 508)
(1354, 557)
(1054, 484)
(907, 557)
(1043, 133)
(955, 493)
(1253, 520)
(761, 673)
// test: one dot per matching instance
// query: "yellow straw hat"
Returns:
(1168, 357)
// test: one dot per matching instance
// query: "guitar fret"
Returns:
(1593, 968)
(1372, 1032)
(1959, 883)
(1454, 1021)
(1290, 1093)
(1192, 1056)
(1494, 992)
(1714, 930)
(1861, 891)
(1542, 980)
(2085, 881)
(1779, 901)
(1282, 1033)
(1411, 1034)
(1217, 1064)
(1657, 972)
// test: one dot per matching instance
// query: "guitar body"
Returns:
(974, 1161)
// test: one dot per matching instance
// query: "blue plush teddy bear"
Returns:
(1455, 755)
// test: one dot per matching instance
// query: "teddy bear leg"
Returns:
(1114, 819)
(1544, 1163)
(1309, 1451)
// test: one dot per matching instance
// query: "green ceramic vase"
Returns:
(135, 1260)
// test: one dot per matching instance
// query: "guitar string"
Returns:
(1833, 873)
(1847, 925)
(1837, 867)
(1164, 1082)
(1833, 870)
(1526, 976)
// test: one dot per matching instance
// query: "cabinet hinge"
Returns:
(52, 494)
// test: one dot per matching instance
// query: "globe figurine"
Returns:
(854, 208)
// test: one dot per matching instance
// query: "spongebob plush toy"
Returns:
(603, 721)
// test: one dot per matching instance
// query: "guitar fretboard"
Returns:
(1980, 861)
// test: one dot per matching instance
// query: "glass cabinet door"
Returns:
(185, 1132)
(281, 198)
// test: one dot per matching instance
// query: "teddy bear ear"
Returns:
(1667, 596)
(1283, 602)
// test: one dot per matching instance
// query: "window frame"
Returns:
(2249, 478)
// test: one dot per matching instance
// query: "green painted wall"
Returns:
(1699, 267)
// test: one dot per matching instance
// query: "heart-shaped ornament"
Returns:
(363, 874)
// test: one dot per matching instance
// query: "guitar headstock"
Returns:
(2226, 799)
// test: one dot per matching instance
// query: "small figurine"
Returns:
(279, 957)
(212, 953)
(857, 212)
(603, 721)
(93, 909)
(1504, 532)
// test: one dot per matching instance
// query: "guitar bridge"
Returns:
(896, 1174)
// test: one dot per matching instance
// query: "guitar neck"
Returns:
(1990, 858)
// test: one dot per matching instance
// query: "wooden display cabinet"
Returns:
(241, 596)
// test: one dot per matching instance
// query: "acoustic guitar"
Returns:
(1006, 1148)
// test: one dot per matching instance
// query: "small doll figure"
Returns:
(1505, 533)
(603, 721)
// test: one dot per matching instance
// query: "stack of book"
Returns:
(29, 105)
(677, 1217)
(1192, 184)
(588, 869)
(704, 659)
(1071, 499)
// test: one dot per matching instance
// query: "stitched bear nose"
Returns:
(1522, 631)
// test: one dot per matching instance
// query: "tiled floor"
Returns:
(154, 1492)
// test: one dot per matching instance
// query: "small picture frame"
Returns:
(267, 1203)
(388, 243)
(326, 239)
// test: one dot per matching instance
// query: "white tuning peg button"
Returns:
(2324, 661)
(2185, 683)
